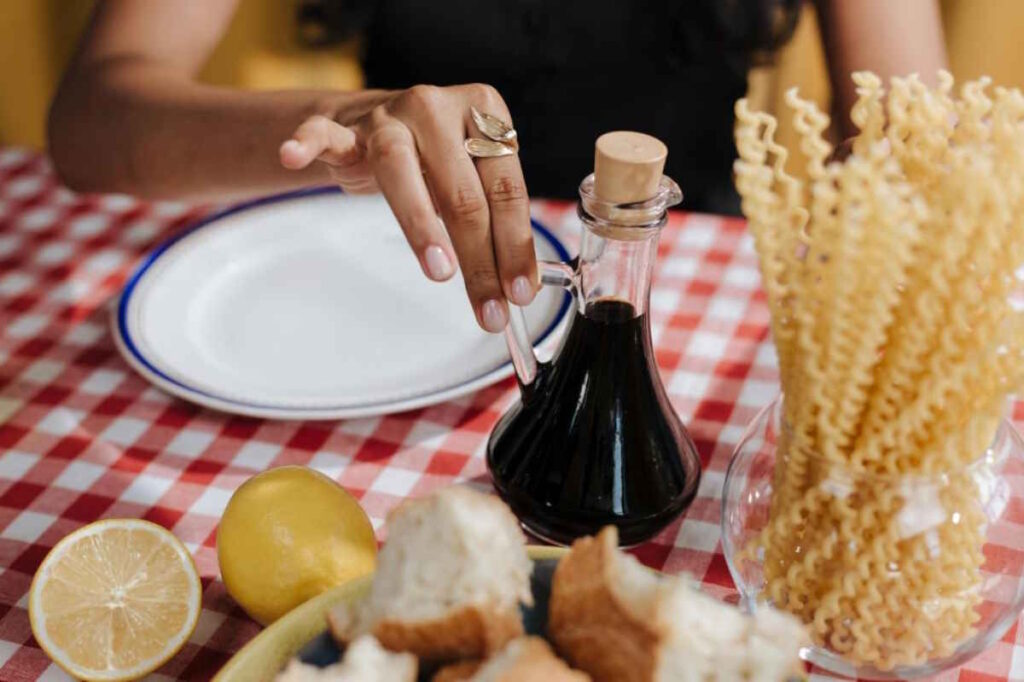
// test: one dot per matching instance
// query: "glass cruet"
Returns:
(593, 439)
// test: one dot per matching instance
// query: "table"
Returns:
(82, 437)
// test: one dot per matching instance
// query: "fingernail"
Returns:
(522, 291)
(494, 316)
(292, 146)
(439, 266)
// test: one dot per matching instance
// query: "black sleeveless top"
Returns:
(570, 71)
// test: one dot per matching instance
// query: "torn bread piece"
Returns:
(621, 622)
(365, 661)
(457, 672)
(526, 659)
(449, 579)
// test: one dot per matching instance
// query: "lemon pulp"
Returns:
(115, 599)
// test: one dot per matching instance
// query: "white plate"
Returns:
(310, 305)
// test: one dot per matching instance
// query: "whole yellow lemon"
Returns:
(287, 535)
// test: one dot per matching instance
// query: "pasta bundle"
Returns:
(889, 277)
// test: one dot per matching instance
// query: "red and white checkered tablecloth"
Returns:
(82, 437)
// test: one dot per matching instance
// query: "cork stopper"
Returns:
(627, 166)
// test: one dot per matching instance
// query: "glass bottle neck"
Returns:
(620, 245)
(617, 254)
(616, 268)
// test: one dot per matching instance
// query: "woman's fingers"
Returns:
(507, 201)
(391, 151)
(436, 119)
(466, 216)
(484, 206)
(356, 178)
(390, 165)
(320, 138)
(505, 189)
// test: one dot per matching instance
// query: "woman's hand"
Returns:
(410, 147)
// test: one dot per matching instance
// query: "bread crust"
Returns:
(536, 662)
(533, 662)
(471, 631)
(457, 672)
(342, 621)
(590, 625)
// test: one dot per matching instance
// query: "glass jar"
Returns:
(897, 575)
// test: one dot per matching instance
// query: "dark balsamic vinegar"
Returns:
(594, 440)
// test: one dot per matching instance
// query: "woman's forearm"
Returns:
(130, 116)
(889, 37)
(138, 127)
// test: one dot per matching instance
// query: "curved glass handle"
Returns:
(517, 336)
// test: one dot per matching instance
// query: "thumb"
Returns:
(319, 138)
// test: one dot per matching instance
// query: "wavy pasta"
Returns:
(889, 277)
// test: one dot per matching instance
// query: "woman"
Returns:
(130, 116)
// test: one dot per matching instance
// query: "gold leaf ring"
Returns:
(501, 139)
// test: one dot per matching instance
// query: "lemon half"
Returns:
(114, 600)
(287, 535)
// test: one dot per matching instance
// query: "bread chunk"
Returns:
(527, 659)
(365, 661)
(620, 622)
(457, 672)
(449, 579)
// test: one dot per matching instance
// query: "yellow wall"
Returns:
(34, 45)
(37, 37)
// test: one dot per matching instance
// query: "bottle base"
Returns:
(565, 528)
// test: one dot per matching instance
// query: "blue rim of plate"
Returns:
(163, 247)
